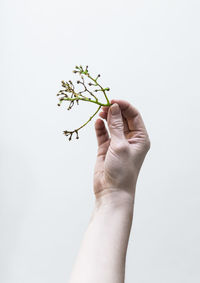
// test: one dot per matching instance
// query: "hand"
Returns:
(121, 155)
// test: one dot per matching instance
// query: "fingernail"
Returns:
(114, 109)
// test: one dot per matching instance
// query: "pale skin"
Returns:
(121, 152)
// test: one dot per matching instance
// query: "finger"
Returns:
(115, 123)
(105, 108)
(126, 128)
(133, 116)
(101, 132)
(103, 115)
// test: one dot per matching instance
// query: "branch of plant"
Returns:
(77, 96)
(70, 133)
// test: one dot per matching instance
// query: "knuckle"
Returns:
(116, 124)
(122, 148)
(147, 144)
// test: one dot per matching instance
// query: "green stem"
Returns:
(100, 88)
(85, 99)
(89, 119)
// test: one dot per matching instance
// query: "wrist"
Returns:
(114, 206)
(115, 198)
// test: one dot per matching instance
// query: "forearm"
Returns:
(103, 250)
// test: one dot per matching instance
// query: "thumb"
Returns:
(115, 122)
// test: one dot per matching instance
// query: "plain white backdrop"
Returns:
(147, 52)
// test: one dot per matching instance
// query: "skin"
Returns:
(121, 152)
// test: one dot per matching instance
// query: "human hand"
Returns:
(120, 156)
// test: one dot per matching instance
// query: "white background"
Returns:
(147, 52)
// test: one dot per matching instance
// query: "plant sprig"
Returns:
(68, 93)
